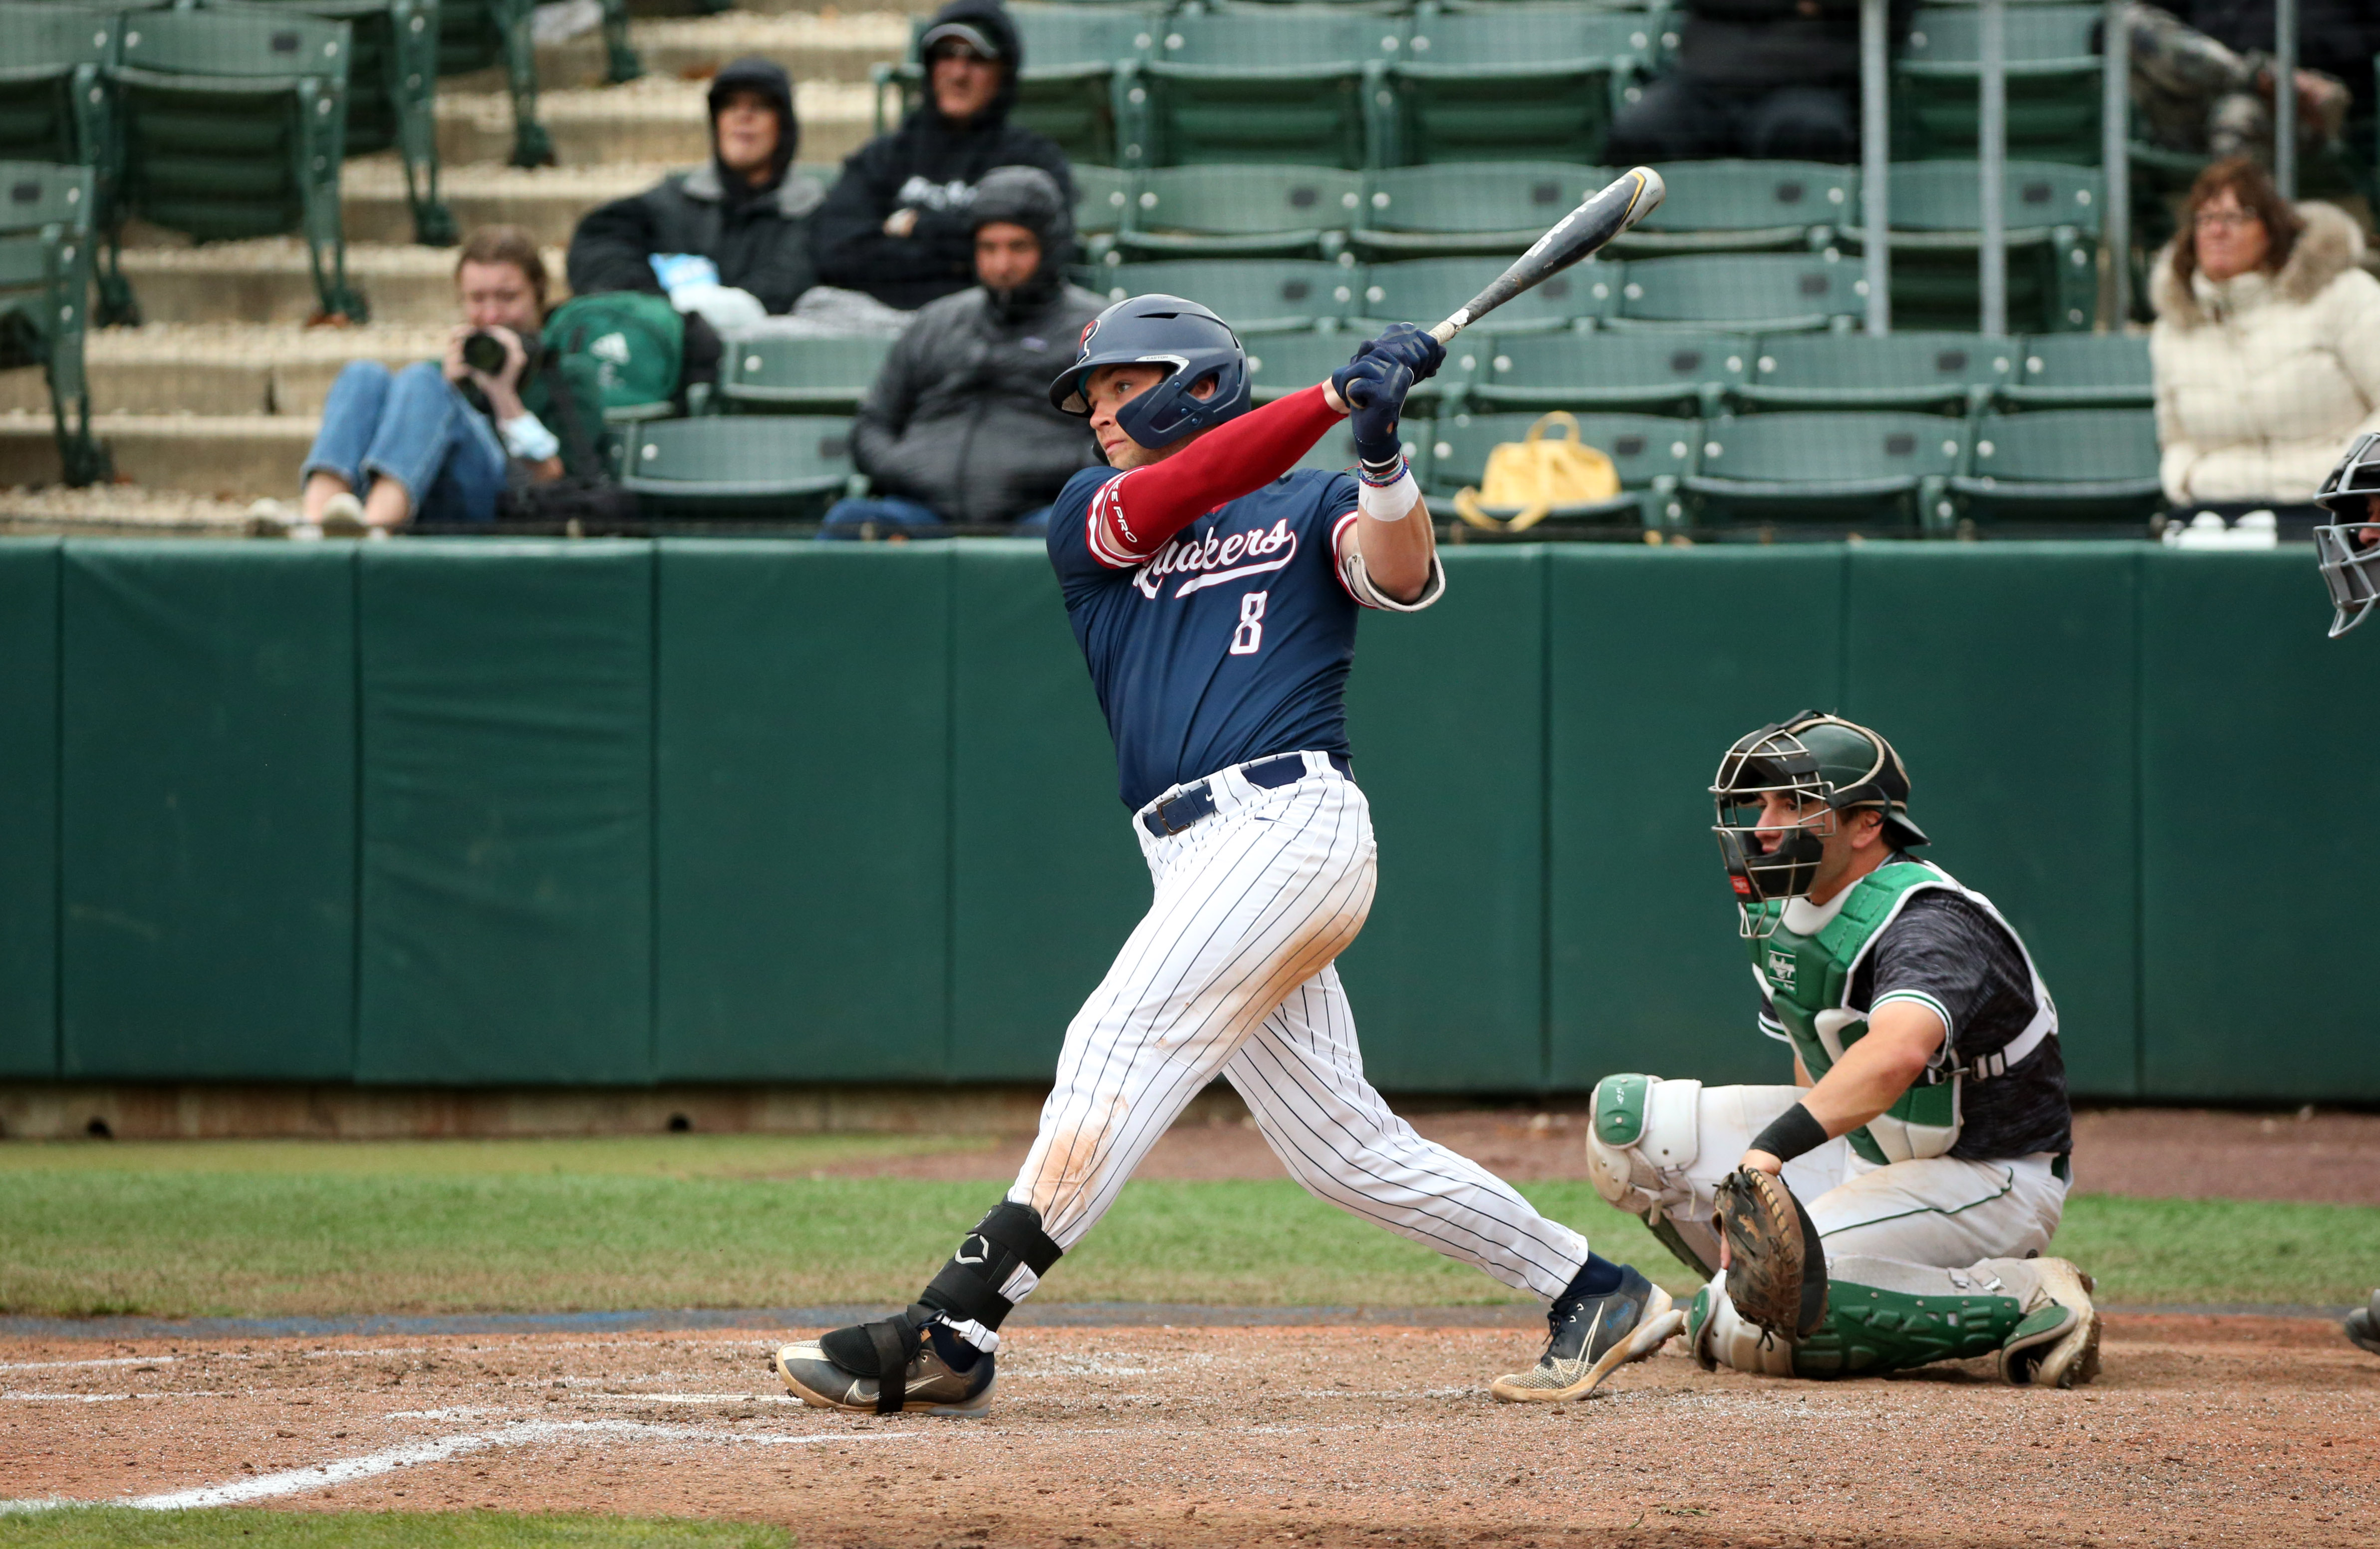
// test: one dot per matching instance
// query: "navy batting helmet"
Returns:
(1192, 343)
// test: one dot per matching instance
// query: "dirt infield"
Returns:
(2203, 1430)
(2187, 1153)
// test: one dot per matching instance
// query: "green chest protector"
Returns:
(1808, 979)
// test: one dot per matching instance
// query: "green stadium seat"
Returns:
(2053, 213)
(2076, 466)
(1253, 294)
(1282, 364)
(1650, 454)
(1935, 372)
(1854, 469)
(391, 82)
(735, 467)
(233, 124)
(1261, 211)
(45, 269)
(2080, 371)
(54, 106)
(1766, 293)
(798, 376)
(1744, 206)
(1517, 80)
(1457, 208)
(1423, 290)
(1075, 56)
(475, 35)
(1101, 195)
(2054, 84)
(1653, 372)
(1294, 84)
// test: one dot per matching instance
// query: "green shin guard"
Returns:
(1870, 1331)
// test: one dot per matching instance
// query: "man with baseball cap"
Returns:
(1926, 1134)
(896, 224)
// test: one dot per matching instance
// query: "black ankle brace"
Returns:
(967, 1289)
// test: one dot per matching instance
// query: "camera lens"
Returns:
(483, 351)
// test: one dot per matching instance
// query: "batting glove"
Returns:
(1374, 387)
(1414, 349)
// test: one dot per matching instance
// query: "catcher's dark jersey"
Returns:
(1943, 945)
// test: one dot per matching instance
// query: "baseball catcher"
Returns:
(2349, 547)
(1889, 1208)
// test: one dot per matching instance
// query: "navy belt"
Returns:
(1194, 802)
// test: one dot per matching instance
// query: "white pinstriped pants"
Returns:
(1231, 973)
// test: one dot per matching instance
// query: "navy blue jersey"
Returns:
(1230, 642)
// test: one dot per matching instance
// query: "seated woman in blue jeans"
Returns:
(399, 445)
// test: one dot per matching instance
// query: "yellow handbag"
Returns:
(1537, 474)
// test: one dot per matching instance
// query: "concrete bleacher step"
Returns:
(654, 120)
(230, 368)
(268, 281)
(811, 46)
(226, 457)
(547, 202)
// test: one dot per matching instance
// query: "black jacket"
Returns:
(931, 166)
(959, 419)
(759, 236)
(1759, 43)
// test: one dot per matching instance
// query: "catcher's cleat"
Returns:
(1591, 1337)
(2362, 1325)
(2058, 1343)
(928, 1384)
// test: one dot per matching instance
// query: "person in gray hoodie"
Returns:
(745, 210)
(957, 427)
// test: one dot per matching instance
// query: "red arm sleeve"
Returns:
(1230, 461)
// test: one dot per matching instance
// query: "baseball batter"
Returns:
(1928, 1134)
(1214, 591)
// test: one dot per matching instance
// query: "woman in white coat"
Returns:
(2267, 349)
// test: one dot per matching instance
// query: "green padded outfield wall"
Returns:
(613, 812)
(2258, 843)
(1046, 878)
(1446, 716)
(2005, 674)
(507, 798)
(1659, 659)
(803, 811)
(29, 817)
(210, 811)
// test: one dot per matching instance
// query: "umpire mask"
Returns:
(1824, 766)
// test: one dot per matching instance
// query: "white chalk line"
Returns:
(347, 1471)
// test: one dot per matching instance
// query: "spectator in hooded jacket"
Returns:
(745, 213)
(2266, 349)
(896, 224)
(957, 427)
(1755, 77)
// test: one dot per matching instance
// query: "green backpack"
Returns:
(637, 342)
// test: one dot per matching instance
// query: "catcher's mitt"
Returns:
(1776, 1270)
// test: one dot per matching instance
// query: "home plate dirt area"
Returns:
(2205, 1430)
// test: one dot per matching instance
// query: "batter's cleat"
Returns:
(929, 1383)
(1592, 1337)
(2362, 1325)
(2058, 1343)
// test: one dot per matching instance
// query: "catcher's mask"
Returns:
(1816, 762)
(2349, 547)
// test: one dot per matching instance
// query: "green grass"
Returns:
(122, 1528)
(295, 1228)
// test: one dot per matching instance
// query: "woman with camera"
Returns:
(439, 441)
